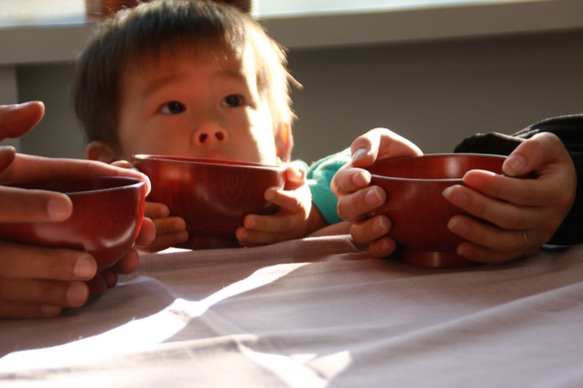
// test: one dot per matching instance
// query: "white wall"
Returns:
(435, 92)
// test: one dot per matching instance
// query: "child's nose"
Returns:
(209, 135)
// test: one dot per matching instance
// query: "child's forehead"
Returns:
(155, 66)
(177, 55)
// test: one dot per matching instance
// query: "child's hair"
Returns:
(140, 34)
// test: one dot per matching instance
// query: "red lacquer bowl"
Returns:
(107, 216)
(418, 211)
(212, 197)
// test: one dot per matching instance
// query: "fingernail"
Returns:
(59, 208)
(77, 294)
(85, 268)
(514, 165)
(250, 222)
(182, 237)
(373, 198)
(460, 199)
(381, 226)
(179, 225)
(458, 227)
(446, 192)
(462, 251)
(50, 311)
(361, 178)
(358, 154)
(387, 246)
(269, 194)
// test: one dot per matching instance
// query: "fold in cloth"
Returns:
(315, 312)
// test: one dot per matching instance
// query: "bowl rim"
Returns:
(432, 156)
(132, 182)
(209, 162)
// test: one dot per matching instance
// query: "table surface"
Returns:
(315, 312)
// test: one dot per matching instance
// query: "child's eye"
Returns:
(172, 108)
(233, 100)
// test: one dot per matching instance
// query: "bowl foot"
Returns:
(435, 259)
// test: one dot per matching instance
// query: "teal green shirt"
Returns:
(319, 176)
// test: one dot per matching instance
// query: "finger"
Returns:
(382, 248)
(7, 154)
(169, 225)
(290, 201)
(17, 119)
(109, 278)
(353, 207)
(123, 164)
(526, 192)
(28, 310)
(44, 292)
(501, 213)
(273, 224)
(37, 167)
(488, 244)
(156, 210)
(20, 205)
(539, 150)
(295, 176)
(248, 237)
(164, 241)
(147, 232)
(31, 262)
(504, 214)
(380, 143)
(129, 263)
(366, 232)
(480, 254)
(348, 180)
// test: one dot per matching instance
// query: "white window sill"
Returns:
(31, 34)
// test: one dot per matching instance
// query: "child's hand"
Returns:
(522, 214)
(169, 230)
(356, 199)
(295, 219)
(129, 263)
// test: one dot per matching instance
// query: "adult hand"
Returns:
(522, 213)
(36, 281)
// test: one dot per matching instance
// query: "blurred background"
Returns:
(433, 71)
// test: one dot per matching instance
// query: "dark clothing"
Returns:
(570, 130)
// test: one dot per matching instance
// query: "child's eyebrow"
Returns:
(157, 82)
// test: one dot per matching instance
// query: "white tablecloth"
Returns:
(312, 313)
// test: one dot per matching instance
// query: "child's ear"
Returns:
(100, 150)
(284, 142)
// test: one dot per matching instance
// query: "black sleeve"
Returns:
(570, 130)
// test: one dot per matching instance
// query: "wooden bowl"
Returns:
(107, 216)
(211, 196)
(418, 211)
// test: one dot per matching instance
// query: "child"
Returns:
(198, 79)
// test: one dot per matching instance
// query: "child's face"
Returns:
(204, 107)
